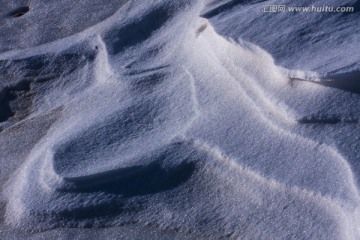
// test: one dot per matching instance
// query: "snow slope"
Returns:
(143, 119)
(313, 41)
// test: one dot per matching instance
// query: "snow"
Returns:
(309, 41)
(178, 120)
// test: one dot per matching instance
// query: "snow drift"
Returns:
(157, 120)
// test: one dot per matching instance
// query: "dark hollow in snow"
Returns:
(20, 11)
(349, 82)
(15, 100)
(135, 181)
